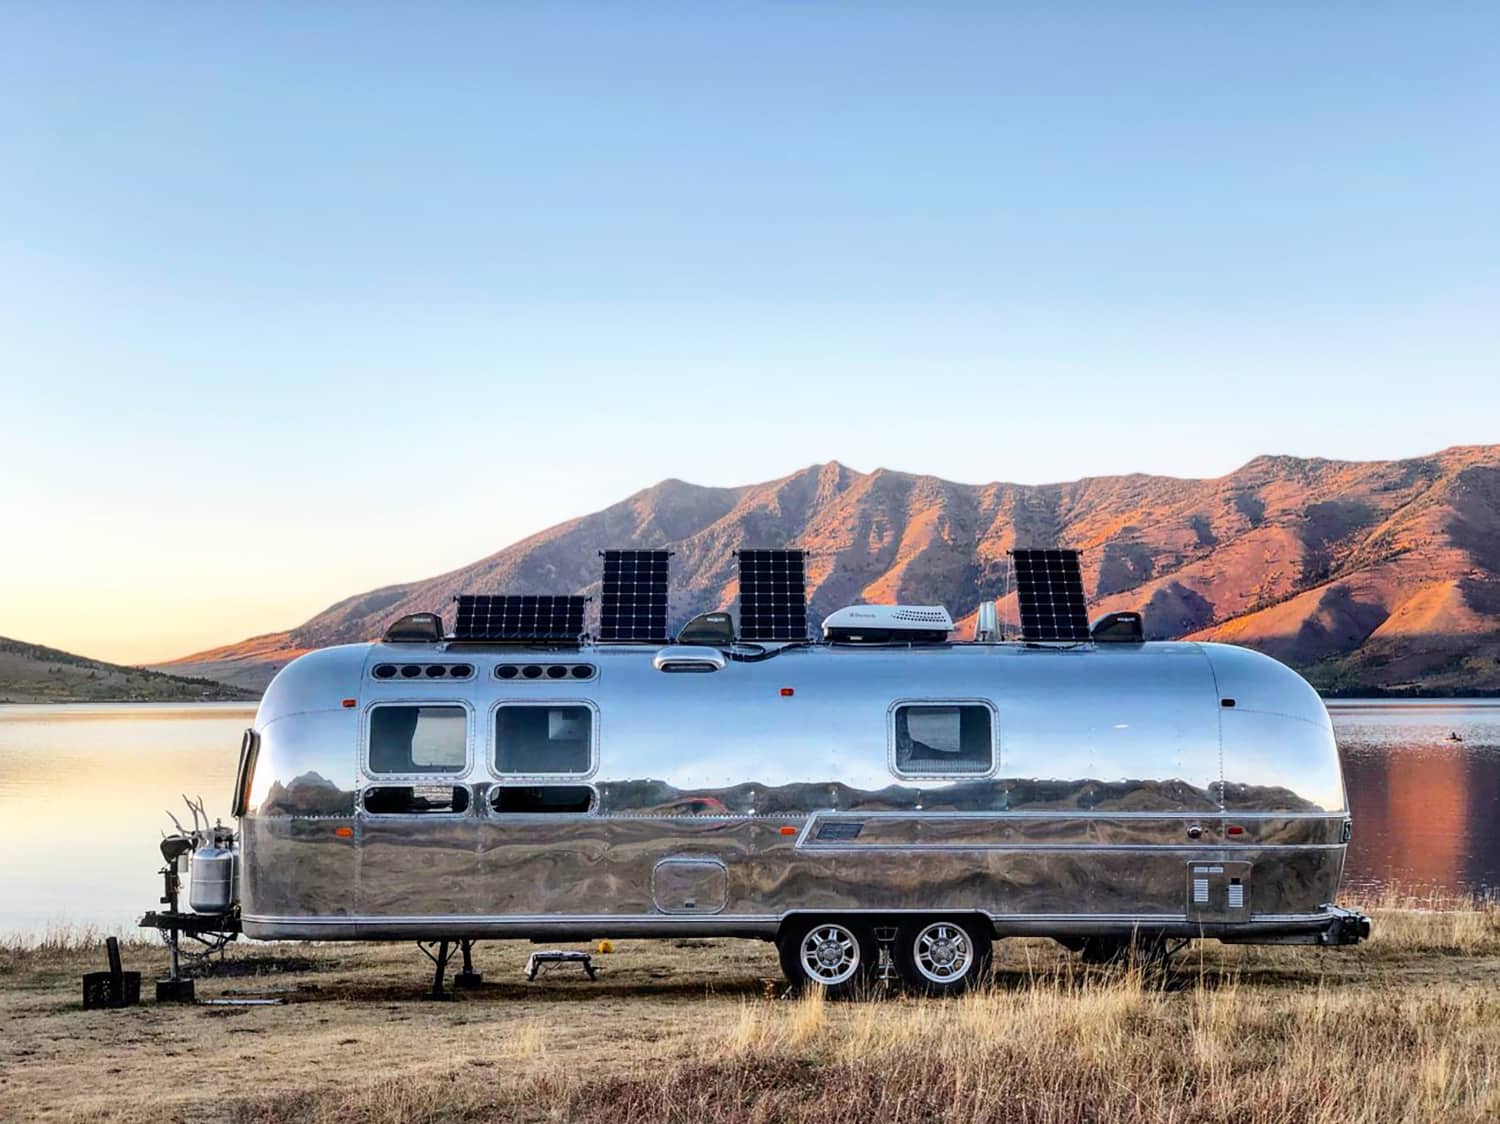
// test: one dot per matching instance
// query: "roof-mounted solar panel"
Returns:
(552, 619)
(1049, 590)
(773, 595)
(633, 598)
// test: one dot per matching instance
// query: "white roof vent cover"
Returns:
(874, 624)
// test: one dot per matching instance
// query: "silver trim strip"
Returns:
(1218, 849)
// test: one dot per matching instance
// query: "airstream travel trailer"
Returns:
(884, 795)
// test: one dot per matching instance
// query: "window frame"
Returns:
(492, 746)
(965, 775)
(376, 779)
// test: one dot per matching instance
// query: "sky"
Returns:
(297, 300)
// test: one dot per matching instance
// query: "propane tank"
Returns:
(213, 875)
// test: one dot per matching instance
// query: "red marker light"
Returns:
(788, 692)
(789, 830)
(1234, 829)
(350, 704)
(344, 832)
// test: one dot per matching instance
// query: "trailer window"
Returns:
(542, 799)
(944, 739)
(405, 800)
(544, 739)
(419, 739)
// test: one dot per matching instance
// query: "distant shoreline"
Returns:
(252, 700)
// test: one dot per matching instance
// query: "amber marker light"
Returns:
(789, 830)
(350, 704)
(344, 832)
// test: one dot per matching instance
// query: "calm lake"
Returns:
(83, 789)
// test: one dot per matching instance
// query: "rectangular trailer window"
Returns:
(418, 739)
(944, 739)
(544, 739)
(406, 800)
(553, 799)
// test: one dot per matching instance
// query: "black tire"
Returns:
(943, 955)
(844, 964)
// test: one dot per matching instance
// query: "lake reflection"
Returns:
(1426, 808)
(83, 790)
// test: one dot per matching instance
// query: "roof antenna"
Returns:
(985, 627)
(1010, 570)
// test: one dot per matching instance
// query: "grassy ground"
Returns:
(1405, 1027)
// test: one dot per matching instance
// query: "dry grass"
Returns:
(1405, 1027)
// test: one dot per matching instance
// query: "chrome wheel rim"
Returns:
(829, 954)
(943, 952)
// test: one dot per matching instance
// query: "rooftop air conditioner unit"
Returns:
(888, 624)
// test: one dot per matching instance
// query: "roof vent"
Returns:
(711, 629)
(415, 628)
(689, 658)
(888, 624)
(1119, 628)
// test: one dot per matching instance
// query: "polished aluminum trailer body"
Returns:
(1183, 789)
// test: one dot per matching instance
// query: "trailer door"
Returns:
(417, 834)
(539, 840)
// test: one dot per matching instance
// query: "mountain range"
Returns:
(1363, 575)
(31, 673)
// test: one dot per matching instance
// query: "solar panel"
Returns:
(773, 595)
(1049, 588)
(633, 602)
(500, 617)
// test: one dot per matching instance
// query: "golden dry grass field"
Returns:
(1405, 1027)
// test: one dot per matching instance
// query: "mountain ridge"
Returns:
(1363, 574)
(34, 673)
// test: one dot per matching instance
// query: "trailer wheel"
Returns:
(942, 956)
(837, 953)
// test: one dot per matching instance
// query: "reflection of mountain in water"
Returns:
(1426, 810)
(1425, 820)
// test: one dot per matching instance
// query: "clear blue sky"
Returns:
(299, 299)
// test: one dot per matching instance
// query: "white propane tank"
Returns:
(212, 886)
